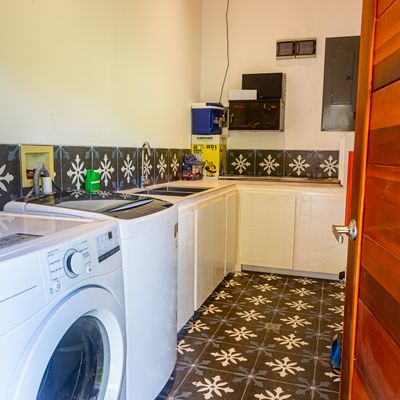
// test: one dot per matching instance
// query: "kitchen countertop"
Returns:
(217, 186)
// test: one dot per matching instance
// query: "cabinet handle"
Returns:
(339, 231)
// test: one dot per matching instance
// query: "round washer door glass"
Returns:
(79, 366)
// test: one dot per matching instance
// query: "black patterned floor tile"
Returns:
(303, 306)
(259, 302)
(250, 316)
(229, 357)
(331, 324)
(305, 282)
(209, 384)
(223, 294)
(334, 296)
(177, 377)
(327, 376)
(334, 285)
(325, 395)
(228, 343)
(271, 390)
(188, 349)
(240, 333)
(198, 326)
(292, 342)
(286, 367)
(296, 322)
(332, 309)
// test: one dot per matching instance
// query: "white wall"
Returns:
(255, 26)
(103, 72)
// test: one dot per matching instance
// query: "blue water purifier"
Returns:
(207, 118)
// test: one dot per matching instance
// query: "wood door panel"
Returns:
(382, 265)
(384, 146)
(383, 5)
(388, 70)
(377, 356)
(387, 25)
(358, 189)
(385, 104)
(382, 211)
(359, 391)
(385, 307)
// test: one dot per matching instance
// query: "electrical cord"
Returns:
(227, 50)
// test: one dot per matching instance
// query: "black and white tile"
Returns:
(299, 164)
(241, 162)
(105, 162)
(270, 162)
(174, 161)
(260, 336)
(10, 176)
(128, 171)
(75, 160)
(326, 164)
(161, 170)
(148, 165)
(57, 161)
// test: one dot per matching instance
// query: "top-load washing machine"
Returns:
(148, 230)
(62, 330)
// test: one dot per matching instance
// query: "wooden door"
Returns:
(371, 348)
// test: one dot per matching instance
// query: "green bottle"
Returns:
(92, 181)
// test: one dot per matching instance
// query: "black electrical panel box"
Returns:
(269, 86)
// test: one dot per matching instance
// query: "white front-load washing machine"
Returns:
(148, 230)
(62, 330)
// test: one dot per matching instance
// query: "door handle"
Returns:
(340, 231)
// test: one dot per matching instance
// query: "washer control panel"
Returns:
(83, 259)
(71, 261)
(107, 244)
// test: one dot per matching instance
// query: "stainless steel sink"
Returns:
(181, 189)
(173, 191)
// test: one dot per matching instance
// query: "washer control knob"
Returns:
(74, 263)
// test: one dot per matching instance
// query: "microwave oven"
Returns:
(256, 115)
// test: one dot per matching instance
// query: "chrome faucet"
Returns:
(144, 180)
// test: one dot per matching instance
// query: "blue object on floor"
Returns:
(336, 351)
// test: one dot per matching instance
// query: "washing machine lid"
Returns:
(17, 229)
(117, 205)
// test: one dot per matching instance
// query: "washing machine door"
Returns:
(78, 352)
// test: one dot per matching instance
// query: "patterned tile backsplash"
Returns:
(293, 163)
(120, 167)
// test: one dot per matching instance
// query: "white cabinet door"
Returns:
(267, 228)
(231, 231)
(186, 248)
(204, 253)
(219, 242)
(315, 247)
(210, 247)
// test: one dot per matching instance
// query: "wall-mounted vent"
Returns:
(299, 48)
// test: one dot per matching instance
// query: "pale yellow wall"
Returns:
(255, 25)
(102, 72)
